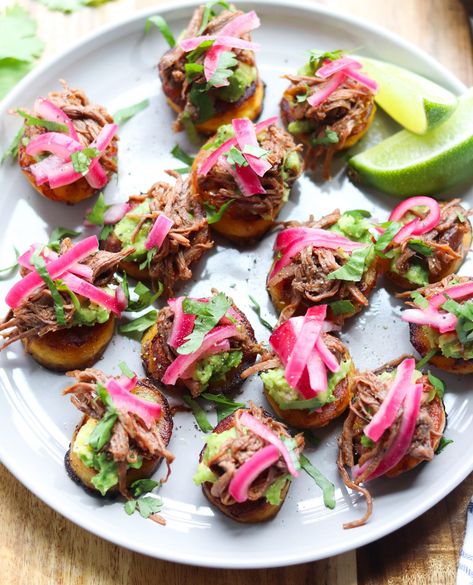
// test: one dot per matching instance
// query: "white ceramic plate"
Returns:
(117, 67)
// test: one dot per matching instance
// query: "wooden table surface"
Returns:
(39, 547)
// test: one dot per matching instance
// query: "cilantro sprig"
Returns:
(82, 159)
(257, 309)
(122, 116)
(354, 267)
(58, 234)
(40, 265)
(146, 505)
(96, 214)
(163, 27)
(199, 414)
(327, 487)
(48, 124)
(215, 214)
(223, 405)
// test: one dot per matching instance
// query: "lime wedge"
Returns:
(415, 102)
(406, 164)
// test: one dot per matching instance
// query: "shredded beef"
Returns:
(236, 451)
(36, 315)
(347, 111)
(130, 438)
(445, 241)
(220, 186)
(172, 72)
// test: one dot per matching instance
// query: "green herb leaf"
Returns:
(12, 150)
(105, 232)
(273, 493)
(437, 383)
(82, 159)
(58, 234)
(209, 13)
(235, 157)
(190, 128)
(442, 444)
(421, 363)
(18, 40)
(130, 507)
(146, 297)
(354, 268)
(461, 217)
(419, 300)
(464, 312)
(193, 69)
(207, 317)
(330, 137)
(342, 307)
(126, 371)
(391, 229)
(163, 27)
(320, 56)
(224, 406)
(125, 114)
(257, 309)
(213, 214)
(40, 266)
(143, 486)
(420, 246)
(366, 441)
(139, 325)
(302, 97)
(198, 51)
(224, 69)
(327, 487)
(96, 215)
(102, 432)
(12, 266)
(149, 505)
(150, 254)
(199, 414)
(181, 155)
(256, 151)
(33, 121)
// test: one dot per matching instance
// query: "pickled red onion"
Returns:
(317, 372)
(246, 179)
(158, 232)
(93, 293)
(123, 399)
(184, 361)
(319, 96)
(363, 79)
(224, 40)
(257, 427)
(56, 268)
(48, 255)
(246, 474)
(182, 325)
(41, 169)
(47, 110)
(56, 143)
(213, 157)
(246, 136)
(331, 67)
(388, 411)
(444, 322)
(115, 213)
(417, 226)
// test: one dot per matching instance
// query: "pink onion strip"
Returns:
(45, 109)
(223, 148)
(320, 95)
(317, 372)
(115, 213)
(246, 474)
(158, 232)
(54, 142)
(389, 409)
(42, 169)
(148, 411)
(93, 293)
(431, 317)
(363, 79)
(183, 362)
(417, 226)
(224, 40)
(331, 67)
(246, 136)
(182, 325)
(48, 255)
(325, 354)
(32, 281)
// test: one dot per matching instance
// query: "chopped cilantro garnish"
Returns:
(190, 128)
(391, 229)
(331, 137)
(193, 69)
(40, 266)
(437, 383)
(342, 307)
(12, 150)
(224, 69)
(223, 405)
(58, 234)
(355, 266)
(418, 245)
(442, 444)
(82, 159)
(126, 371)
(421, 363)
(102, 432)
(464, 312)
(366, 441)
(319, 57)
(181, 155)
(213, 214)
(125, 114)
(145, 504)
(207, 317)
(257, 309)
(138, 326)
(96, 214)
(327, 487)
(199, 414)
(163, 27)
(34, 121)
(419, 300)
(461, 217)
(146, 297)
(150, 254)
(235, 157)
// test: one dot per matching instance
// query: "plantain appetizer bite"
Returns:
(329, 261)
(198, 345)
(123, 434)
(64, 308)
(243, 176)
(396, 421)
(210, 76)
(441, 323)
(432, 242)
(247, 465)
(307, 377)
(168, 230)
(329, 105)
(68, 147)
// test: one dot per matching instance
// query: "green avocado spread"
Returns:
(242, 78)
(126, 226)
(215, 367)
(449, 344)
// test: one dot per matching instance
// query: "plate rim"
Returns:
(365, 535)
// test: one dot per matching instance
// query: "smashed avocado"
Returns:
(353, 227)
(214, 367)
(287, 397)
(243, 76)
(214, 443)
(449, 344)
(126, 226)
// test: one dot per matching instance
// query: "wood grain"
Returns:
(39, 547)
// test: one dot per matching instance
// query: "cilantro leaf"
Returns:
(235, 157)
(181, 155)
(257, 309)
(223, 405)
(461, 217)
(418, 245)
(126, 371)
(213, 214)
(391, 229)
(442, 444)
(198, 51)
(438, 384)
(342, 307)
(40, 266)
(331, 137)
(34, 121)
(139, 325)
(199, 414)
(358, 213)
(14, 266)
(18, 40)
(200, 98)
(320, 56)
(105, 232)
(125, 114)
(82, 159)
(102, 432)
(143, 486)
(130, 507)
(163, 27)
(327, 487)
(224, 70)
(464, 312)
(146, 297)
(58, 234)
(207, 317)
(366, 441)
(193, 69)
(12, 150)
(148, 505)
(96, 214)
(210, 12)
(150, 254)
(421, 363)
(354, 268)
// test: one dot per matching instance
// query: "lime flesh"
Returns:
(406, 164)
(417, 103)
